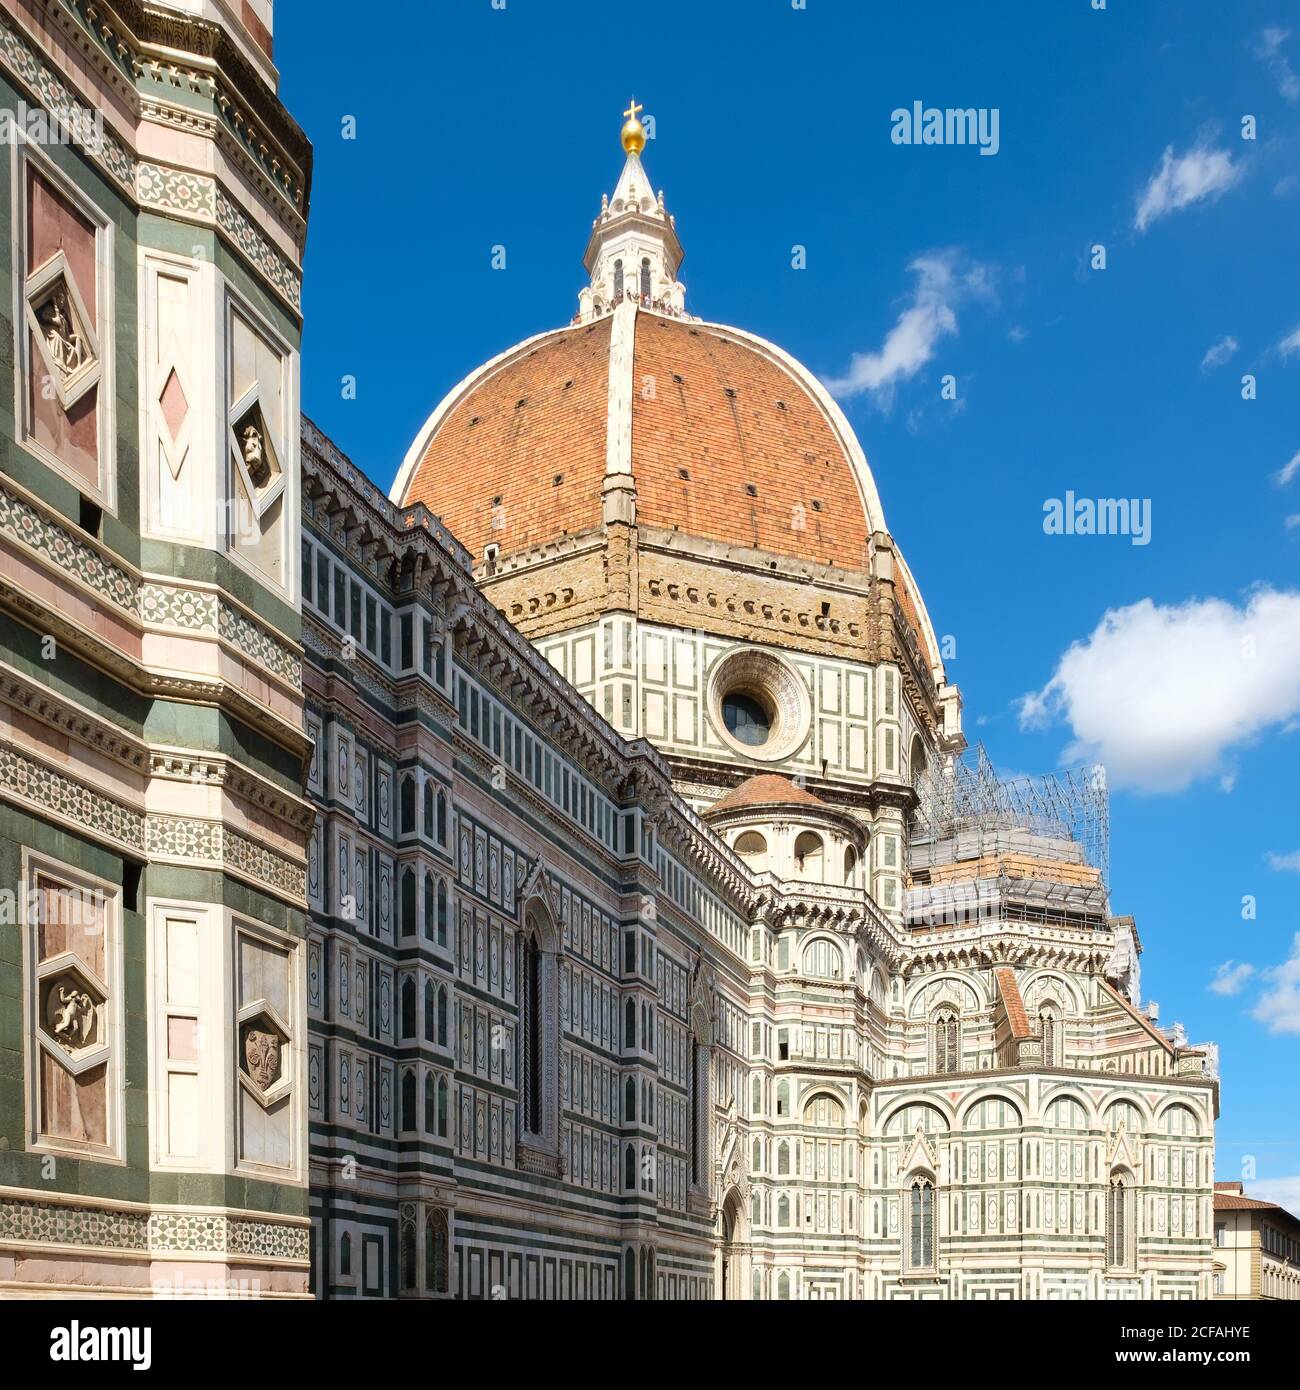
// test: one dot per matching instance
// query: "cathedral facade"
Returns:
(562, 878)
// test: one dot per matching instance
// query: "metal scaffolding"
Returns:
(966, 811)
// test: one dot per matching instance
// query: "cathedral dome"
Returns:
(725, 438)
(701, 436)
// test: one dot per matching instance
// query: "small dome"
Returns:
(766, 789)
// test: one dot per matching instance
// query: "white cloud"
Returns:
(1182, 180)
(1267, 47)
(1284, 1191)
(1160, 694)
(1292, 522)
(1286, 863)
(1218, 353)
(1278, 1007)
(944, 279)
(1017, 334)
(1291, 343)
(1288, 470)
(1231, 977)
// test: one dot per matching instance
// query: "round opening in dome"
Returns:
(748, 721)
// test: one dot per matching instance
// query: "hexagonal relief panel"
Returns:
(262, 1057)
(72, 1016)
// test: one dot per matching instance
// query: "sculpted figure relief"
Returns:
(64, 343)
(259, 468)
(70, 1014)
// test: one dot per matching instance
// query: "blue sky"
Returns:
(1121, 128)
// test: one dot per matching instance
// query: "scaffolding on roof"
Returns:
(966, 810)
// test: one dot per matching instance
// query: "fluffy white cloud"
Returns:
(1267, 47)
(1288, 470)
(1285, 863)
(1278, 1007)
(1284, 1191)
(1291, 343)
(1160, 694)
(1218, 353)
(944, 279)
(1181, 180)
(1230, 977)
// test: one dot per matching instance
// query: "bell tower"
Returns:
(633, 253)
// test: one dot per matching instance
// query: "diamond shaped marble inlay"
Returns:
(174, 405)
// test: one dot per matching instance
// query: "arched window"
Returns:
(408, 1100)
(783, 1211)
(408, 1256)
(947, 1041)
(920, 1224)
(408, 1007)
(782, 1159)
(1118, 1222)
(428, 809)
(429, 1011)
(442, 1016)
(752, 848)
(782, 1097)
(408, 805)
(437, 1264)
(618, 279)
(430, 1105)
(629, 1167)
(629, 1024)
(408, 901)
(756, 1098)
(429, 907)
(532, 979)
(645, 278)
(442, 1107)
(1050, 1027)
(783, 1286)
(808, 855)
(850, 863)
(629, 1099)
(440, 825)
(442, 912)
(345, 1254)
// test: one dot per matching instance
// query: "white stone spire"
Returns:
(633, 252)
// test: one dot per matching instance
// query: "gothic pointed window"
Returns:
(407, 810)
(437, 1263)
(947, 1041)
(532, 977)
(442, 1107)
(408, 901)
(618, 280)
(428, 810)
(429, 907)
(442, 1016)
(920, 1224)
(429, 1011)
(645, 279)
(408, 1100)
(408, 1007)
(440, 819)
(442, 912)
(1050, 1028)
(1118, 1206)
(430, 1105)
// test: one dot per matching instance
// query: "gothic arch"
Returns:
(932, 1102)
(928, 993)
(733, 1239)
(1048, 1098)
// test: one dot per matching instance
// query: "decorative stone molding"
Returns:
(150, 1232)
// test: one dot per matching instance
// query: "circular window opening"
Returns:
(748, 719)
(758, 705)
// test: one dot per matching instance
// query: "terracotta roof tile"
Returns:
(765, 789)
(1012, 1002)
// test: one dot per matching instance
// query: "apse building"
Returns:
(564, 878)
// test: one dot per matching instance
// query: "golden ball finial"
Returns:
(633, 130)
